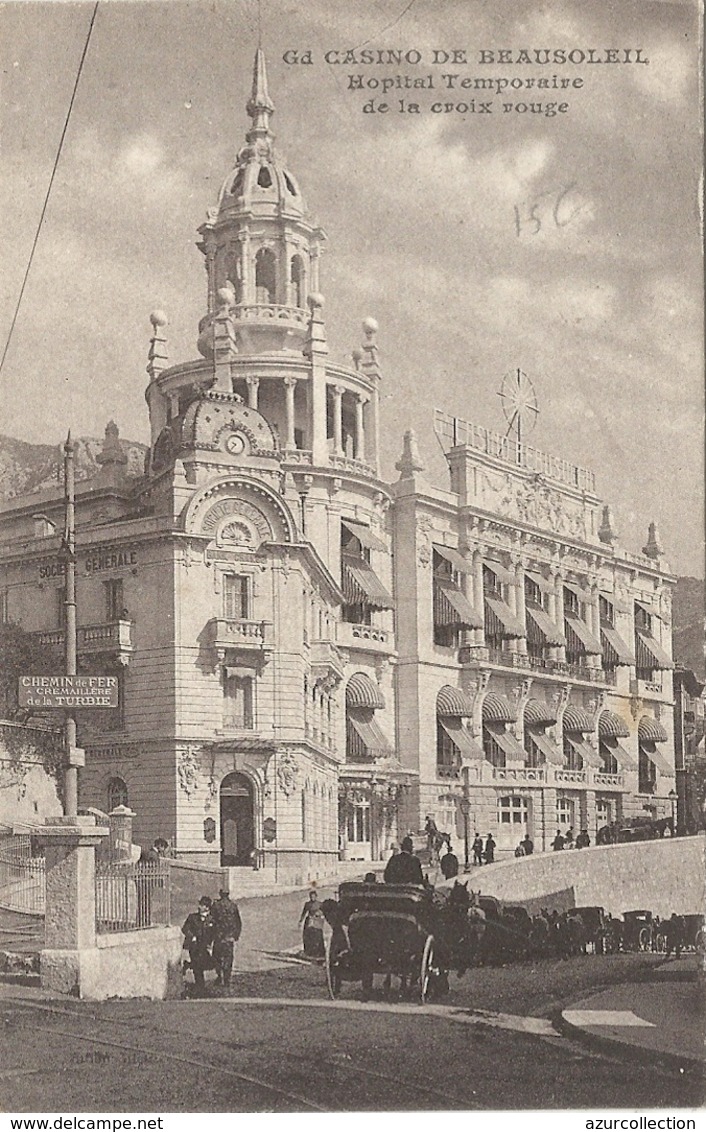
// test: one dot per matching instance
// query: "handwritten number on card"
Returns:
(532, 216)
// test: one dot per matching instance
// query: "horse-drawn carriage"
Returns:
(595, 927)
(398, 931)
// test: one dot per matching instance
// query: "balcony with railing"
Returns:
(364, 638)
(239, 633)
(110, 638)
(514, 775)
(481, 655)
(271, 313)
(602, 781)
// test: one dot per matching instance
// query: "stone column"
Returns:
(70, 920)
(360, 427)
(520, 608)
(337, 423)
(290, 384)
(594, 624)
(478, 600)
(246, 269)
(560, 652)
(119, 845)
(253, 384)
(173, 405)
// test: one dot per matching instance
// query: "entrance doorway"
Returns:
(237, 820)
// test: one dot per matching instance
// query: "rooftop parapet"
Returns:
(453, 432)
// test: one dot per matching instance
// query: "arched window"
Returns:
(264, 178)
(296, 279)
(117, 793)
(266, 276)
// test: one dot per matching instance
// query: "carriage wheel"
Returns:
(700, 942)
(425, 975)
(333, 978)
(661, 942)
(644, 940)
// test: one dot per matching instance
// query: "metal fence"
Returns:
(131, 895)
(22, 876)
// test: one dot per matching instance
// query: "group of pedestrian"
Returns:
(566, 840)
(525, 847)
(210, 934)
(483, 854)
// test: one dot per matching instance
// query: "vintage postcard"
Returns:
(351, 559)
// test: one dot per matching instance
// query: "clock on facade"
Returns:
(235, 444)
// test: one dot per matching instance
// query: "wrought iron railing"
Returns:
(22, 877)
(131, 895)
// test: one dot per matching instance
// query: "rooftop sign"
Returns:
(46, 692)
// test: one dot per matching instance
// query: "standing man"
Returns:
(198, 941)
(528, 845)
(489, 853)
(449, 863)
(227, 927)
(404, 867)
(674, 932)
(478, 850)
(558, 842)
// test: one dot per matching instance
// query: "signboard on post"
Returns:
(68, 692)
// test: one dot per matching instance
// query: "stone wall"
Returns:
(663, 876)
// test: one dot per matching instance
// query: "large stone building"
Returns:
(311, 660)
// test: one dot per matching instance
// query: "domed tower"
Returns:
(259, 242)
(262, 341)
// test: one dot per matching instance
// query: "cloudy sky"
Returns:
(428, 219)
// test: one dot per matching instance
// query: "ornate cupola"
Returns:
(259, 242)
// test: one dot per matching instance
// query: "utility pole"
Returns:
(71, 771)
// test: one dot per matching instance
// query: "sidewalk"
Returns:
(662, 1014)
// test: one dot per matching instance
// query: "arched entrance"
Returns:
(237, 820)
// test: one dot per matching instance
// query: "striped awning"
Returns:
(577, 719)
(615, 650)
(656, 758)
(500, 621)
(546, 585)
(538, 713)
(361, 585)
(452, 607)
(550, 750)
(365, 536)
(626, 761)
(540, 627)
(362, 692)
(651, 730)
(453, 702)
(650, 653)
(577, 589)
(579, 637)
(611, 726)
(454, 558)
(508, 743)
(468, 748)
(498, 709)
(586, 751)
(372, 737)
(501, 572)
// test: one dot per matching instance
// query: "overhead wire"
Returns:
(49, 187)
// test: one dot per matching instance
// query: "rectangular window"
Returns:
(572, 603)
(606, 611)
(237, 701)
(114, 603)
(565, 809)
(236, 597)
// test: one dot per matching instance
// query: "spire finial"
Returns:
(259, 106)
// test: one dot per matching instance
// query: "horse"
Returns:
(467, 905)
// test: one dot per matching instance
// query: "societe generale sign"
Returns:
(46, 692)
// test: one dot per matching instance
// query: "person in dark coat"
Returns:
(449, 863)
(673, 929)
(489, 851)
(583, 841)
(198, 933)
(478, 850)
(558, 842)
(312, 918)
(404, 867)
(528, 845)
(227, 927)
